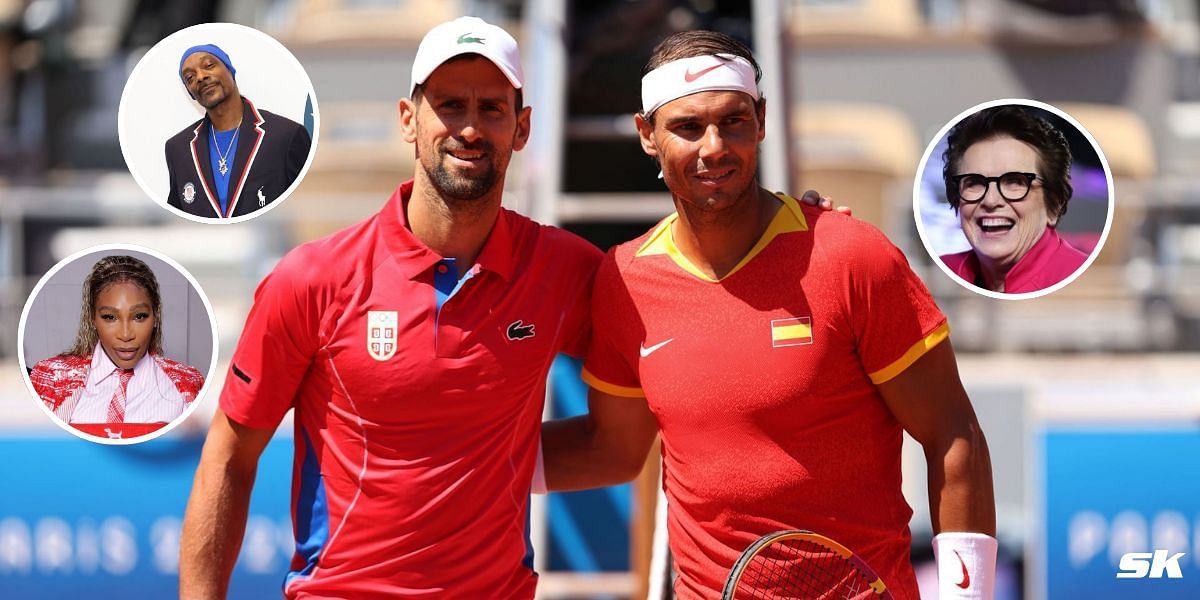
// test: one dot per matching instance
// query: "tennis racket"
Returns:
(802, 565)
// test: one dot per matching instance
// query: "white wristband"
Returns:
(966, 564)
(539, 473)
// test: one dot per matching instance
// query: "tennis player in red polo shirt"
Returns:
(414, 349)
(781, 351)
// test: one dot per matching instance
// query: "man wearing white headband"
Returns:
(781, 351)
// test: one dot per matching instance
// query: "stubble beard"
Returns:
(461, 192)
(708, 209)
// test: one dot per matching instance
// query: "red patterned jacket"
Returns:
(61, 378)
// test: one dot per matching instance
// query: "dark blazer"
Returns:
(271, 150)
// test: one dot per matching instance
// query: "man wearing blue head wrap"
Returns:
(238, 158)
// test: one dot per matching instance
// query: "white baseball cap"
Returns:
(467, 35)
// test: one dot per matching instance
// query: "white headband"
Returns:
(688, 76)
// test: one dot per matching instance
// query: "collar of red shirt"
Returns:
(414, 257)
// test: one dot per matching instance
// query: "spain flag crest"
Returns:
(793, 331)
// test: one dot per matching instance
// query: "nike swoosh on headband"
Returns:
(689, 76)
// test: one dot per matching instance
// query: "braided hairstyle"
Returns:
(108, 271)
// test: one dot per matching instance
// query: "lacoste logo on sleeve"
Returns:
(519, 331)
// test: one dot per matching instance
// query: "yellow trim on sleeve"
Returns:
(917, 350)
(608, 388)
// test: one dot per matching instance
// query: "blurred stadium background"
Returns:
(1090, 397)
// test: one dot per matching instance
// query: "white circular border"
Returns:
(232, 28)
(212, 363)
(921, 225)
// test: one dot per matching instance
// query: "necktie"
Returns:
(116, 408)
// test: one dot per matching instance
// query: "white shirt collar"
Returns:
(103, 366)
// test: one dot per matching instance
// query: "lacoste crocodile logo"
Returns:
(520, 331)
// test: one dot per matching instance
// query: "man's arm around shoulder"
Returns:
(215, 520)
(606, 446)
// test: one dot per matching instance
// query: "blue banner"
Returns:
(1121, 501)
(82, 520)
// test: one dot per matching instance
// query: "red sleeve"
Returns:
(278, 343)
(617, 332)
(52, 389)
(577, 323)
(894, 318)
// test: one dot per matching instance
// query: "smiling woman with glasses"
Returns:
(1008, 177)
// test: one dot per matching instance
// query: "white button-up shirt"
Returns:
(150, 397)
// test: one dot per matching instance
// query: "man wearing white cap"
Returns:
(781, 351)
(413, 348)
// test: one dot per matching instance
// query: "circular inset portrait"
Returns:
(218, 122)
(135, 361)
(1013, 199)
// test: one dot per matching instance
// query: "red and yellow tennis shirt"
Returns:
(418, 398)
(763, 384)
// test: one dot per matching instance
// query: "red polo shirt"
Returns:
(416, 424)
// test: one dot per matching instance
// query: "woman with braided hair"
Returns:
(114, 381)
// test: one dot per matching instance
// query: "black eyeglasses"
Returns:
(1013, 186)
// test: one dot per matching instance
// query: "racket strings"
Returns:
(801, 569)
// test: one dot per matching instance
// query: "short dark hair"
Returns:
(419, 89)
(1054, 153)
(699, 42)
